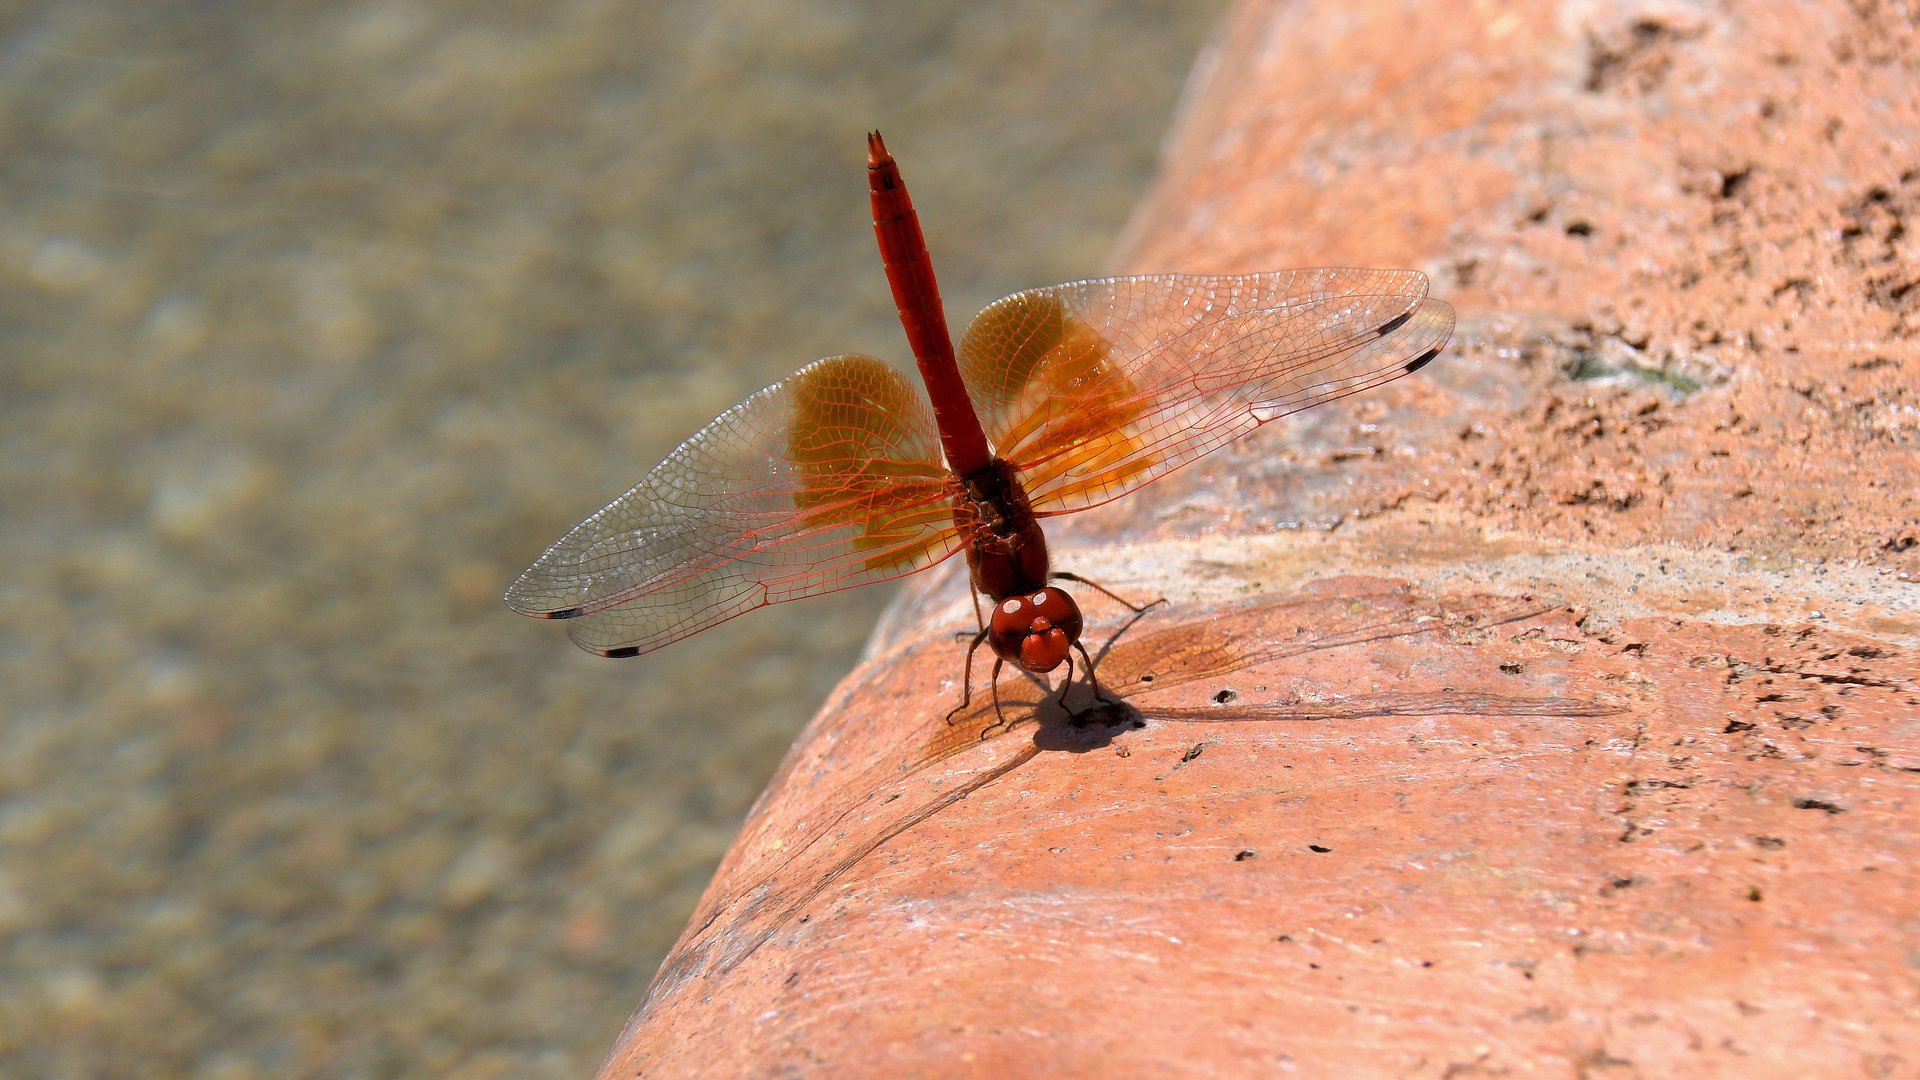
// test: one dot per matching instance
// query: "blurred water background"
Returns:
(319, 321)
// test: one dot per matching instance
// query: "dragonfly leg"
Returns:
(1062, 575)
(1092, 679)
(966, 681)
(978, 621)
(1000, 718)
(1066, 684)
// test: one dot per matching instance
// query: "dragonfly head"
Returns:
(1035, 630)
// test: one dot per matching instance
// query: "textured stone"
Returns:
(1553, 712)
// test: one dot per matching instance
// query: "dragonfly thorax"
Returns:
(1006, 551)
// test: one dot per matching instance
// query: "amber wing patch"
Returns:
(857, 444)
(1057, 402)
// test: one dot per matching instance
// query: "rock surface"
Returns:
(1555, 711)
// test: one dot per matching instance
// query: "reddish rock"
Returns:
(1553, 712)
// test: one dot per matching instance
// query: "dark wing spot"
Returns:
(1391, 325)
(1422, 360)
(563, 613)
(622, 652)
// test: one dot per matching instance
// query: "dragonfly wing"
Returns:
(1094, 388)
(828, 479)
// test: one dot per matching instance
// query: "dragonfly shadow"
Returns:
(1092, 726)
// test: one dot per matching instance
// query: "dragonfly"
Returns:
(1057, 400)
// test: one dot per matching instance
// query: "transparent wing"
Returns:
(828, 479)
(1097, 387)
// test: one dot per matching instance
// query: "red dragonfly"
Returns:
(1059, 399)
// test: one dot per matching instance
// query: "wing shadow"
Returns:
(905, 787)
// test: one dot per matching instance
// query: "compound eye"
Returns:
(1011, 619)
(1054, 604)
